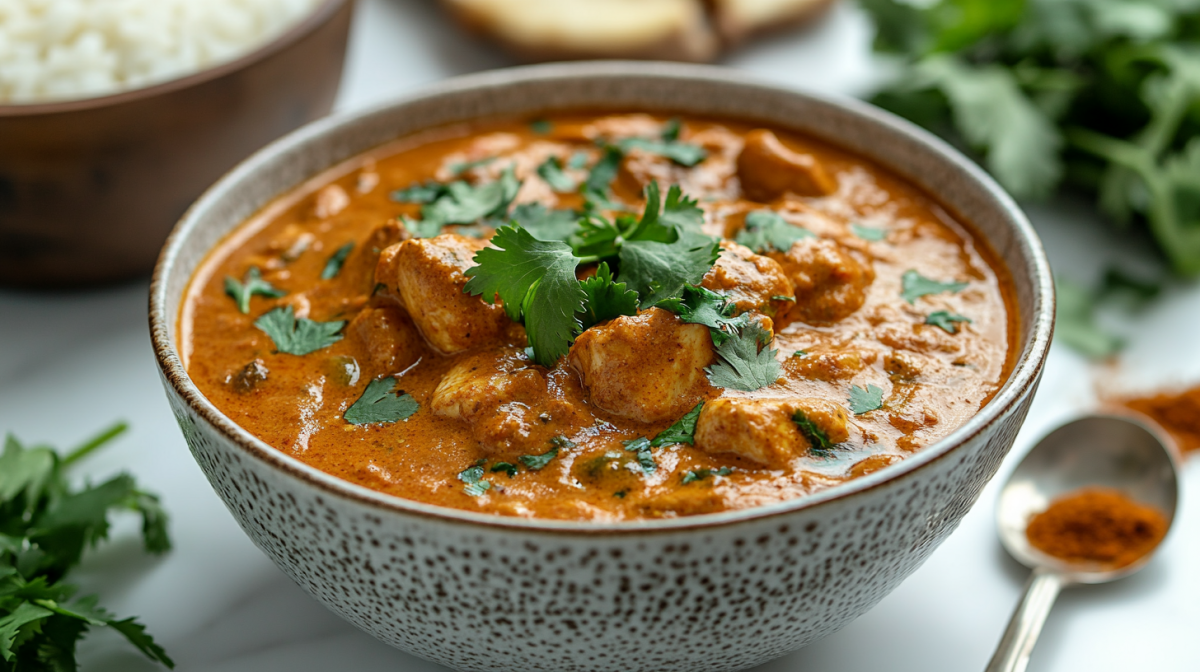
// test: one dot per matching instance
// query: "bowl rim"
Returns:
(1025, 374)
(315, 18)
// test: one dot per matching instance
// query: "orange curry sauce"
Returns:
(833, 300)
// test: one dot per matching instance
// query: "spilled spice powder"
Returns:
(1178, 414)
(1097, 525)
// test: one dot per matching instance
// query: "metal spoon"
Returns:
(1096, 451)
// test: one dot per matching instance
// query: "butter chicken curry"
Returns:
(601, 316)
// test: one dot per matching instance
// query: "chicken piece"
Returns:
(767, 170)
(830, 280)
(330, 201)
(648, 367)
(507, 402)
(737, 20)
(763, 430)
(388, 340)
(359, 269)
(426, 274)
(570, 29)
(751, 281)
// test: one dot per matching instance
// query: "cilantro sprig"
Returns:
(703, 306)
(668, 145)
(378, 404)
(338, 259)
(253, 284)
(458, 202)
(914, 286)
(298, 336)
(744, 365)
(45, 526)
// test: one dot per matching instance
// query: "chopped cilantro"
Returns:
(536, 281)
(701, 474)
(603, 172)
(46, 525)
(766, 230)
(464, 203)
(800, 353)
(743, 365)
(336, 261)
(667, 145)
(606, 299)
(817, 438)
(915, 285)
(578, 160)
(298, 336)
(678, 211)
(645, 458)
(620, 494)
(781, 297)
(541, 126)
(507, 467)
(671, 129)
(946, 320)
(682, 431)
(869, 233)
(551, 172)
(379, 404)
(865, 401)
(427, 192)
(421, 228)
(475, 483)
(702, 306)
(241, 292)
(536, 462)
(464, 166)
(545, 224)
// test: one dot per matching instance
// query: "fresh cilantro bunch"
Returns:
(45, 526)
(533, 270)
(1100, 95)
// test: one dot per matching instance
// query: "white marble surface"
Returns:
(72, 363)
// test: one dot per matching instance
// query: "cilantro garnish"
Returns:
(671, 129)
(507, 467)
(781, 297)
(427, 192)
(464, 166)
(545, 224)
(605, 298)
(869, 233)
(743, 365)
(45, 526)
(701, 474)
(336, 261)
(536, 462)
(378, 404)
(645, 458)
(541, 126)
(914, 286)
(578, 160)
(536, 281)
(458, 202)
(682, 431)
(667, 145)
(241, 292)
(816, 436)
(660, 271)
(603, 172)
(476, 485)
(865, 401)
(620, 494)
(298, 336)
(800, 353)
(766, 230)
(551, 172)
(946, 320)
(702, 306)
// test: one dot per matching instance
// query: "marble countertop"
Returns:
(71, 363)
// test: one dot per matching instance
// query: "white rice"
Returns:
(65, 49)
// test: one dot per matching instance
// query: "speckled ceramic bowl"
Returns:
(715, 592)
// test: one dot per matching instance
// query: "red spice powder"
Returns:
(1097, 525)
(1178, 414)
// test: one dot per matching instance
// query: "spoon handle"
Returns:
(1012, 654)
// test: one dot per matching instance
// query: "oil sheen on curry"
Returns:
(600, 317)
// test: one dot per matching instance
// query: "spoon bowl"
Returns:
(1099, 451)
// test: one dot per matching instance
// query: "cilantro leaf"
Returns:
(679, 211)
(606, 299)
(865, 401)
(241, 292)
(742, 365)
(869, 233)
(914, 286)
(545, 224)
(538, 462)
(551, 171)
(946, 320)
(668, 145)
(702, 306)
(476, 485)
(336, 261)
(578, 160)
(659, 271)
(817, 438)
(645, 458)
(701, 474)
(507, 467)
(427, 192)
(541, 126)
(462, 167)
(536, 281)
(458, 202)
(671, 129)
(298, 336)
(682, 430)
(766, 230)
(378, 404)
(603, 172)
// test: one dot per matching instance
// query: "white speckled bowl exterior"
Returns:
(721, 591)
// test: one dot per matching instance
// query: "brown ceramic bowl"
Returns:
(90, 188)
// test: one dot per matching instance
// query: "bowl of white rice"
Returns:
(116, 114)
